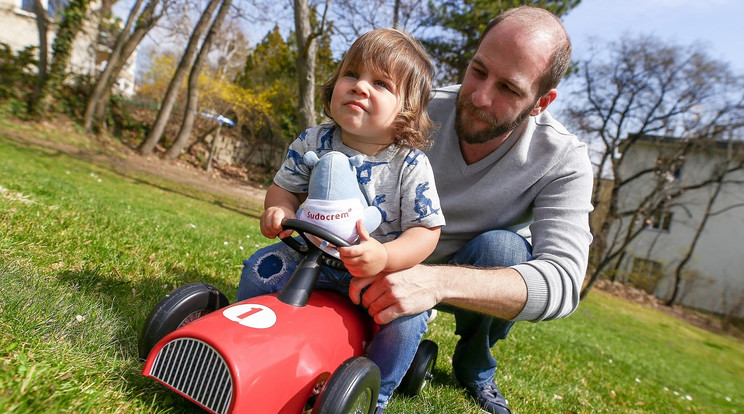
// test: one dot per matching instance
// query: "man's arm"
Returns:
(498, 292)
(544, 288)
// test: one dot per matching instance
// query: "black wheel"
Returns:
(352, 389)
(420, 371)
(181, 306)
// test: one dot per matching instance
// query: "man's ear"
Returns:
(544, 102)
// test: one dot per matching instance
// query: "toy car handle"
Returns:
(297, 291)
(304, 228)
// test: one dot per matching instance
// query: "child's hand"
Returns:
(366, 259)
(271, 222)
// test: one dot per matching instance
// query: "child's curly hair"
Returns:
(402, 58)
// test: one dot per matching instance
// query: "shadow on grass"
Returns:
(40, 311)
(132, 301)
(135, 299)
(247, 212)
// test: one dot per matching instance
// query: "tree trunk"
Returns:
(94, 100)
(173, 88)
(145, 22)
(307, 47)
(213, 148)
(698, 231)
(72, 22)
(396, 12)
(202, 138)
(192, 102)
(42, 24)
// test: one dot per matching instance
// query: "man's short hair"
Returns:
(538, 17)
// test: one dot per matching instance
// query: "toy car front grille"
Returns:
(197, 371)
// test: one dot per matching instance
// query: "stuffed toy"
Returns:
(334, 199)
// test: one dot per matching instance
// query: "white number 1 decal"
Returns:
(251, 315)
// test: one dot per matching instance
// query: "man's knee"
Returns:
(494, 248)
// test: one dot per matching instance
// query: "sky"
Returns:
(714, 24)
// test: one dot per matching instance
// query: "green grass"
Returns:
(86, 252)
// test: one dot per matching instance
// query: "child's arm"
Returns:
(370, 257)
(278, 204)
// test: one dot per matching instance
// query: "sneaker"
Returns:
(490, 399)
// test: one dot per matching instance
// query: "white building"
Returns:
(713, 278)
(18, 30)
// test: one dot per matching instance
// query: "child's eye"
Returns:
(383, 84)
(351, 74)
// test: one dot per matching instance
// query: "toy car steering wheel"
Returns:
(304, 228)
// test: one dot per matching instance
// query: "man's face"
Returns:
(474, 132)
(499, 91)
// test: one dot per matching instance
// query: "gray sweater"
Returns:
(538, 184)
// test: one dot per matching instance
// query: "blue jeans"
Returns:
(472, 363)
(393, 346)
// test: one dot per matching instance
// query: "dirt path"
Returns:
(126, 161)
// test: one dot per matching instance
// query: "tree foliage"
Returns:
(127, 40)
(154, 81)
(16, 71)
(184, 66)
(270, 72)
(192, 97)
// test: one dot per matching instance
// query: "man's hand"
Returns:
(392, 295)
(366, 259)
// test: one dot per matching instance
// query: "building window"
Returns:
(660, 219)
(53, 7)
(56, 7)
(27, 5)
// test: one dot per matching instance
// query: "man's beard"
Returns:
(494, 129)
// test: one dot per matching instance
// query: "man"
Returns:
(515, 188)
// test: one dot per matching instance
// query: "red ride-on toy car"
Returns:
(298, 351)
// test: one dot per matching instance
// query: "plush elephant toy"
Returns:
(334, 199)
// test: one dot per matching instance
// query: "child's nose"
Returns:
(361, 87)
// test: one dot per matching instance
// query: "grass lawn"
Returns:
(86, 252)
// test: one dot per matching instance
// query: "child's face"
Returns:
(364, 104)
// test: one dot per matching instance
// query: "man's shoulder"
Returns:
(548, 128)
(443, 101)
(551, 142)
(445, 93)
(551, 125)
